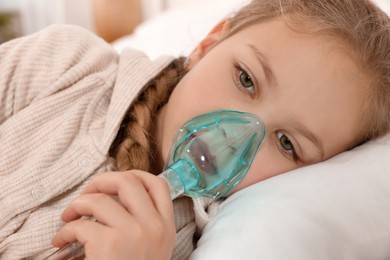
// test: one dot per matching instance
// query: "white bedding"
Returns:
(177, 30)
(338, 209)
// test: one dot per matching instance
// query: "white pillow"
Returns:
(178, 30)
(337, 209)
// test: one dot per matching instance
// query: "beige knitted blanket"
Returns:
(63, 94)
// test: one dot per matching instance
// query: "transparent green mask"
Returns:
(212, 153)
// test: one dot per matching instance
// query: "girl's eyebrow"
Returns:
(304, 130)
(270, 76)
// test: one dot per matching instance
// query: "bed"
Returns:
(338, 209)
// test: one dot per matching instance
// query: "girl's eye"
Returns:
(286, 145)
(246, 81)
(285, 142)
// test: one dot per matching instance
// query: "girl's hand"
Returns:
(141, 226)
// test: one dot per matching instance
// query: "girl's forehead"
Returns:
(279, 30)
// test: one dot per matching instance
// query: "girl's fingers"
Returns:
(128, 187)
(142, 193)
(103, 207)
(80, 230)
(140, 223)
(159, 193)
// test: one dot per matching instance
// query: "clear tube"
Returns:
(176, 187)
(69, 252)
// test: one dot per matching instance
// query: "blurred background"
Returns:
(21, 17)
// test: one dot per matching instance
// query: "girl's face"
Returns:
(307, 92)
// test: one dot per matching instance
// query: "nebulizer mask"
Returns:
(212, 153)
(209, 156)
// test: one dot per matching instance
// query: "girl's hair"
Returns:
(361, 27)
(133, 145)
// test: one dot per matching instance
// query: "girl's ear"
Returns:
(213, 37)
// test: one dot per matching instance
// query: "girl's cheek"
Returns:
(266, 164)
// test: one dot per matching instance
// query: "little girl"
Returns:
(80, 124)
